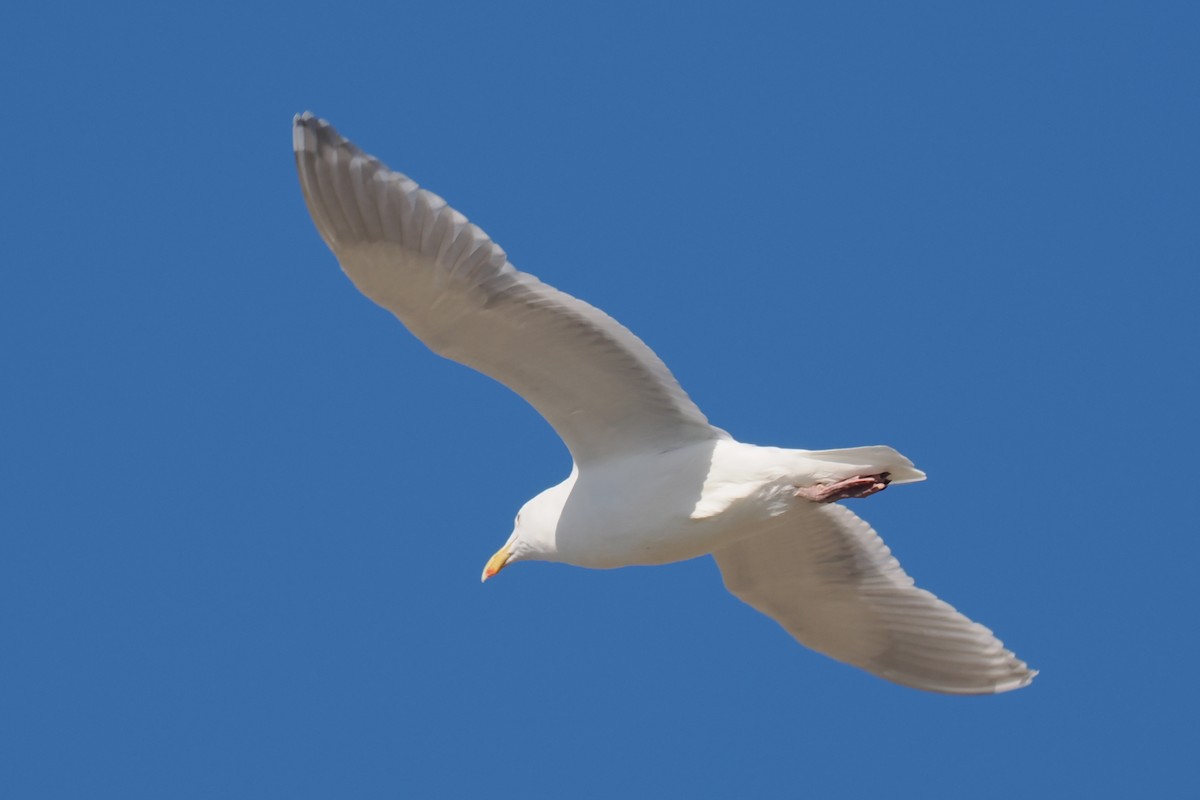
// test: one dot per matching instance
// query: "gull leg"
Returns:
(858, 486)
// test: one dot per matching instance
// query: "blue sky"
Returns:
(244, 511)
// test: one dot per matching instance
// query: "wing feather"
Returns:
(830, 581)
(605, 392)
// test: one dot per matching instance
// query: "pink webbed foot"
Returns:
(858, 486)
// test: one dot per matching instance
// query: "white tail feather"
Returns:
(873, 459)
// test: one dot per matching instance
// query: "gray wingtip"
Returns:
(1020, 682)
(306, 130)
(1020, 676)
(311, 134)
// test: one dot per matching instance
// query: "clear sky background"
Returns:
(243, 512)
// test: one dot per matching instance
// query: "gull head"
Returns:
(533, 537)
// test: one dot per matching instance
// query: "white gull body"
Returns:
(653, 481)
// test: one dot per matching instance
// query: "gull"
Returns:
(652, 481)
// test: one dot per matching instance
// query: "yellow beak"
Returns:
(496, 563)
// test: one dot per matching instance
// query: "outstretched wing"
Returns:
(830, 581)
(604, 391)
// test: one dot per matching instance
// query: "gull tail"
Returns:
(871, 460)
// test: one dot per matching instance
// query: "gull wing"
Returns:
(602, 389)
(830, 581)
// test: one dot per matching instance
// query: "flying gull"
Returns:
(653, 482)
